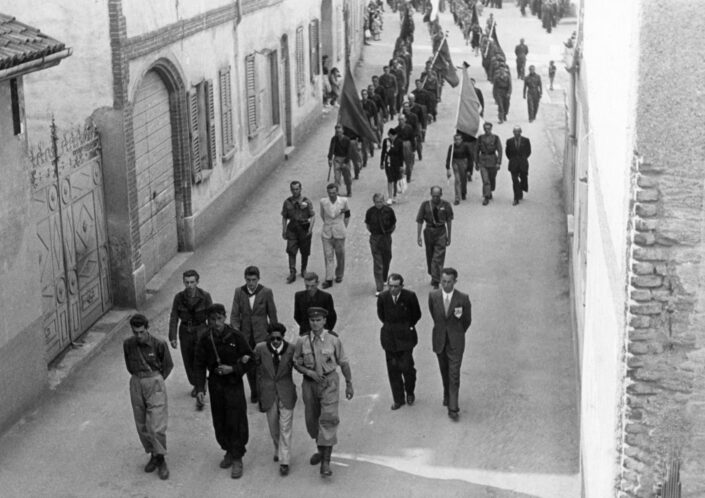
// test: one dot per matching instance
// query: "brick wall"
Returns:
(658, 421)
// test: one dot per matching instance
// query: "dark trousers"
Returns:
(489, 177)
(381, 247)
(501, 97)
(435, 240)
(521, 65)
(188, 338)
(401, 373)
(532, 102)
(229, 411)
(520, 184)
(449, 361)
(297, 240)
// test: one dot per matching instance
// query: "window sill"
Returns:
(205, 174)
(229, 155)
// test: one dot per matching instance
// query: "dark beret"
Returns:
(216, 308)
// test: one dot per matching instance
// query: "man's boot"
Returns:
(325, 461)
(292, 276)
(316, 458)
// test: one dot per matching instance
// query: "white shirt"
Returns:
(251, 298)
(447, 298)
(333, 217)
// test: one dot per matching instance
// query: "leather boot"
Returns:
(291, 277)
(316, 458)
(325, 461)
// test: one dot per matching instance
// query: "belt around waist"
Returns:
(306, 377)
(434, 227)
(145, 375)
(487, 154)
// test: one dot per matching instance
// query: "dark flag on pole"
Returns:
(474, 19)
(351, 115)
(496, 40)
(444, 65)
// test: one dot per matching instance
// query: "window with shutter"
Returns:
(251, 87)
(194, 131)
(274, 78)
(300, 76)
(313, 45)
(226, 112)
(210, 115)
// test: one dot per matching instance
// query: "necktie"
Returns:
(395, 299)
(446, 302)
(275, 359)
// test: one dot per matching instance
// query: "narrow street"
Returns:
(518, 434)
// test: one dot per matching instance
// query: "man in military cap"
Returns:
(149, 362)
(189, 308)
(533, 90)
(487, 160)
(298, 217)
(317, 357)
(227, 356)
(437, 214)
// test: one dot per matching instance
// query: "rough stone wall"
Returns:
(665, 412)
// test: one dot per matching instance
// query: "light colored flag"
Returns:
(468, 108)
(434, 10)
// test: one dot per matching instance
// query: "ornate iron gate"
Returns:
(67, 205)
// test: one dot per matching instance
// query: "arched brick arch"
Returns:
(171, 75)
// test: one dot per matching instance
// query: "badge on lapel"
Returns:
(458, 311)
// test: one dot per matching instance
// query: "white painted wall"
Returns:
(145, 16)
(81, 83)
(609, 77)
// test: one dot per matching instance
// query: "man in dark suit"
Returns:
(277, 392)
(518, 150)
(253, 304)
(310, 298)
(450, 311)
(398, 309)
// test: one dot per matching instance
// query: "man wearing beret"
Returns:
(317, 356)
(277, 392)
(227, 356)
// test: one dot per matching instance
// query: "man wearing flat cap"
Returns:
(277, 393)
(317, 356)
(227, 356)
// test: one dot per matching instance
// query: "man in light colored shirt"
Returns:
(336, 216)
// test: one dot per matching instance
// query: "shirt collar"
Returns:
(447, 295)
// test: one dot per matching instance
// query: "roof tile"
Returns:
(20, 43)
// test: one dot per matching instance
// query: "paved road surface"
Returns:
(518, 429)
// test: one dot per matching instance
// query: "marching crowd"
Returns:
(218, 353)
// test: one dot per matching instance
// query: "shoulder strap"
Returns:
(210, 334)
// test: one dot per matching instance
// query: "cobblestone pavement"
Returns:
(518, 433)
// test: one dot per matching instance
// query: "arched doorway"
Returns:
(154, 170)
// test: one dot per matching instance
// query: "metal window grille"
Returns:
(314, 48)
(300, 70)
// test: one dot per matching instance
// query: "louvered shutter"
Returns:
(251, 86)
(210, 113)
(313, 49)
(196, 174)
(226, 111)
(300, 76)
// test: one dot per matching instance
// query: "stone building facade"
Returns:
(637, 216)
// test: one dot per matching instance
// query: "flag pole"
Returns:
(435, 56)
(489, 36)
(457, 115)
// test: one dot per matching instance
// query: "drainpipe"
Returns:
(35, 65)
